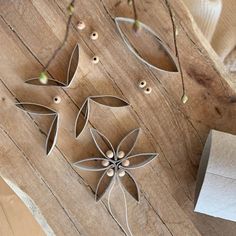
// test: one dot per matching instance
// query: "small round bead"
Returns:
(110, 172)
(120, 154)
(142, 84)
(94, 35)
(105, 163)
(148, 90)
(121, 173)
(57, 99)
(110, 154)
(125, 163)
(80, 25)
(95, 60)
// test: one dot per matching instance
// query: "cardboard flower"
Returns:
(116, 164)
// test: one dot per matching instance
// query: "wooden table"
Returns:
(29, 33)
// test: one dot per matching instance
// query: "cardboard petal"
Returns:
(140, 160)
(128, 142)
(110, 101)
(52, 135)
(82, 118)
(91, 164)
(159, 57)
(103, 185)
(101, 141)
(130, 185)
(51, 82)
(35, 108)
(73, 65)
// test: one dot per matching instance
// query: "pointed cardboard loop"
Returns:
(110, 101)
(104, 184)
(73, 65)
(51, 82)
(35, 108)
(101, 141)
(140, 160)
(128, 142)
(92, 164)
(52, 135)
(158, 56)
(82, 118)
(130, 185)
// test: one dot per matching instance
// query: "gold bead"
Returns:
(105, 163)
(57, 99)
(142, 84)
(148, 90)
(80, 25)
(95, 60)
(110, 154)
(94, 35)
(120, 154)
(110, 172)
(125, 163)
(121, 173)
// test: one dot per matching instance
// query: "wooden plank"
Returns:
(169, 183)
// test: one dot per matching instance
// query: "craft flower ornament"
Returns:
(116, 163)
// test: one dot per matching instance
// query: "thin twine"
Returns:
(126, 208)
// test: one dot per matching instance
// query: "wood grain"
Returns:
(29, 32)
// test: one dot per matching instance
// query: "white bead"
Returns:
(95, 60)
(110, 154)
(142, 84)
(121, 173)
(81, 25)
(57, 99)
(125, 163)
(120, 154)
(110, 172)
(148, 90)
(94, 35)
(105, 163)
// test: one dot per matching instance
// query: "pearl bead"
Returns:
(105, 163)
(95, 60)
(120, 154)
(57, 99)
(81, 25)
(142, 84)
(148, 90)
(125, 163)
(110, 172)
(94, 35)
(110, 154)
(121, 173)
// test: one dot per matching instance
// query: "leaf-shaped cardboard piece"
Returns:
(91, 164)
(104, 184)
(52, 135)
(140, 160)
(130, 185)
(110, 101)
(128, 142)
(82, 118)
(101, 141)
(35, 108)
(72, 69)
(51, 82)
(147, 46)
(73, 65)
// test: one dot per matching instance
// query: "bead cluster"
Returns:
(120, 155)
(142, 84)
(93, 36)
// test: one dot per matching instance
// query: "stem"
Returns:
(63, 42)
(135, 10)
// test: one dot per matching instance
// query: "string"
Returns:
(126, 208)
